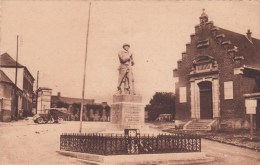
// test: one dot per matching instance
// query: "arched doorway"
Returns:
(206, 105)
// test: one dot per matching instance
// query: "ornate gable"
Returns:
(203, 64)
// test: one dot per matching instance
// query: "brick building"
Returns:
(217, 72)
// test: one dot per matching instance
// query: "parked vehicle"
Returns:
(165, 117)
(52, 115)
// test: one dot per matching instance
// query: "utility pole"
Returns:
(84, 76)
(37, 83)
(1, 9)
(251, 127)
(16, 72)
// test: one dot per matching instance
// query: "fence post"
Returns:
(116, 144)
(157, 141)
(110, 144)
(60, 140)
(105, 145)
(200, 144)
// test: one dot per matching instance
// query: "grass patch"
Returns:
(239, 138)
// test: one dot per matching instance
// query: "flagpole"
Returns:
(84, 76)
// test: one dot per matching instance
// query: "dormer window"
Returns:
(202, 44)
(220, 37)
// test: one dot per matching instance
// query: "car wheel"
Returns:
(40, 120)
(60, 120)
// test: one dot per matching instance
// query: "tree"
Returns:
(61, 104)
(161, 103)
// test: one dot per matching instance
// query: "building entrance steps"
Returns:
(200, 124)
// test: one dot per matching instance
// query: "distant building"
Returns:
(91, 111)
(24, 82)
(59, 101)
(219, 70)
(43, 100)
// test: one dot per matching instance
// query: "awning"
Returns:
(251, 71)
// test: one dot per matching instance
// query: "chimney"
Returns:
(58, 94)
(249, 35)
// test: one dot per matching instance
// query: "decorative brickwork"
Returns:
(216, 55)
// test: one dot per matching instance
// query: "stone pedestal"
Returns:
(127, 111)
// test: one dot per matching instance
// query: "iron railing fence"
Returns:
(123, 145)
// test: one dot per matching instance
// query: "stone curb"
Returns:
(142, 159)
(184, 162)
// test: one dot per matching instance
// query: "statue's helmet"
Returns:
(125, 44)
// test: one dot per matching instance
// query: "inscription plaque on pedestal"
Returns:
(127, 111)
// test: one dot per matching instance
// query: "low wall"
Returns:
(226, 124)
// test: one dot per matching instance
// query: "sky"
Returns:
(53, 40)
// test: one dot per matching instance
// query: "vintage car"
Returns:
(52, 115)
(165, 117)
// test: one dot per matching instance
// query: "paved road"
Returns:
(26, 143)
(230, 155)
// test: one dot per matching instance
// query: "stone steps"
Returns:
(198, 125)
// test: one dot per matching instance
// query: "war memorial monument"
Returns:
(127, 110)
(128, 140)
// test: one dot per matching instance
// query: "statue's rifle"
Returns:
(128, 71)
(119, 86)
(130, 83)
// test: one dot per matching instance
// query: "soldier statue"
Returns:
(125, 79)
